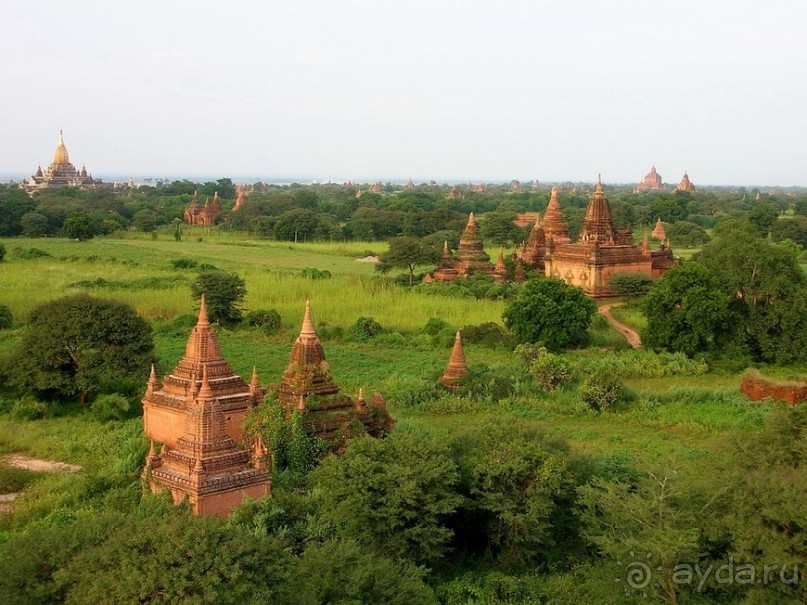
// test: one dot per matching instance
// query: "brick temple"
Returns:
(196, 214)
(204, 465)
(651, 182)
(165, 406)
(308, 387)
(601, 249)
(470, 258)
(685, 184)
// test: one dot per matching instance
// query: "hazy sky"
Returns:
(551, 90)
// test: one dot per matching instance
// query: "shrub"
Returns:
(629, 284)
(6, 318)
(2, 253)
(601, 391)
(365, 328)
(28, 408)
(551, 371)
(488, 334)
(224, 293)
(434, 326)
(30, 253)
(183, 263)
(110, 407)
(268, 319)
(312, 273)
(14, 479)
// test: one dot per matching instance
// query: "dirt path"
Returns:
(40, 466)
(32, 464)
(630, 334)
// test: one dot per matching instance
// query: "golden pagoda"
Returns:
(61, 173)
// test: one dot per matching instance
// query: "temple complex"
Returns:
(204, 464)
(195, 214)
(457, 368)
(410, 186)
(470, 258)
(308, 387)
(61, 173)
(686, 184)
(165, 406)
(651, 182)
(658, 231)
(600, 251)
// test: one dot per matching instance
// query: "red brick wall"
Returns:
(760, 389)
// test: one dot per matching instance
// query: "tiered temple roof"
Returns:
(204, 216)
(240, 196)
(163, 407)
(685, 184)
(601, 251)
(457, 368)
(61, 173)
(308, 387)
(554, 225)
(205, 465)
(470, 258)
(651, 182)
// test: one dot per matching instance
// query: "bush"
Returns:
(312, 273)
(14, 479)
(629, 284)
(268, 319)
(434, 326)
(183, 263)
(551, 371)
(2, 253)
(601, 391)
(224, 293)
(30, 253)
(488, 334)
(28, 408)
(110, 407)
(6, 318)
(365, 328)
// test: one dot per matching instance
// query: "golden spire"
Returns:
(61, 156)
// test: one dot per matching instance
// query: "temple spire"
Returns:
(205, 392)
(203, 320)
(308, 326)
(457, 368)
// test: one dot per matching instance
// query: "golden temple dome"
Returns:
(61, 157)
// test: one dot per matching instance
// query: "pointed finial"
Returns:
(254, 381)
(301, 403)
(598, 189)
(205, 392)
(308, 325)
(361, 395)
(152, 384)
(152, 451)
(203, 320)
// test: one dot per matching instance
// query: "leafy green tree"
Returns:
(794, 229)
(548, 311)
(762, 216)
(392, 495)
(224, 292)
(687, 235)
(341, 571)
(145, 220)
(521, 486)
(407, 253)
(80, 225)
(78, 345)
(629, 284)
(34, 224)
(687, 310)
(499, 228)
(295, 225)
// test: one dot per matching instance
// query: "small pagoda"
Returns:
(165, 406)
(470, 258)
(205, 465)
(457, 368)
(308, 387)
(658, 231)
(240, 196)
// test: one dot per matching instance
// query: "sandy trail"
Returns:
(32, 464)
(630, 335)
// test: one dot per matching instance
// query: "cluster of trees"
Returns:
(402, 520)
(742, 296)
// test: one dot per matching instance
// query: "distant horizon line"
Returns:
(9, 177)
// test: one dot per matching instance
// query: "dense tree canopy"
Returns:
(550, 312)
(81, 345)
(407, 253)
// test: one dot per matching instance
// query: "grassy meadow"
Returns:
(679, 416)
